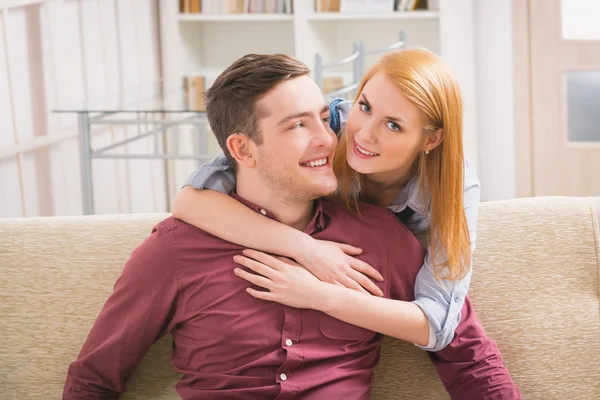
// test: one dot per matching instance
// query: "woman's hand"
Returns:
(332, 262)
(288, 282)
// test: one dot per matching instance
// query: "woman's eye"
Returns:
(393, 126)
(365, 108)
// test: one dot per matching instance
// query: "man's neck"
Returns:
(292, 213)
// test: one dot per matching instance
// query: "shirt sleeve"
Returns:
(140, 310)
(471, 366)
(442, 301)
(338, 116)
(216, 174)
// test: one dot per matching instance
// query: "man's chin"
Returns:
(326, 188)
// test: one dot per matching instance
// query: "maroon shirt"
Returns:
(230, 345)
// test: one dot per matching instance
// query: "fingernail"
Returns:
(236, 258)
(380, 293)
(236, 270)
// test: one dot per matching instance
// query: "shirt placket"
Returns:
(290, 341)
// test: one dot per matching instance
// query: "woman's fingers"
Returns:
(352, 284)
(365, 282)
(288, 261)
(365, 268)
(261, 295)
(255, 279)
(348, 249)
(264, 258)
(256, 266)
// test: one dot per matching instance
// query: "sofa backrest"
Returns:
(535, 288)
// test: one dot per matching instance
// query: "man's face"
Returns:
(297, 147)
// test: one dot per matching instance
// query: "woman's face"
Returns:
(384, 132)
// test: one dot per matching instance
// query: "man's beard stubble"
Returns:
(288, 187)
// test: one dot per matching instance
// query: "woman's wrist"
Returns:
(321, 296)
(305, 244)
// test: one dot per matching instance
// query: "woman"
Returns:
(401, 149)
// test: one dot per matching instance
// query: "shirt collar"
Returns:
(316, 224)
(410, 196)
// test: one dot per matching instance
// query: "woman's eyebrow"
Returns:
(396, 119)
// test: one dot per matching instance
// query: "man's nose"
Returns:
(325, 136)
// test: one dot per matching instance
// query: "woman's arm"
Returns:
(291, 284)
(401, 319)
(212, 211)
(442, 301)
(225, 217)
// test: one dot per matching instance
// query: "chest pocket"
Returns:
(339, 330)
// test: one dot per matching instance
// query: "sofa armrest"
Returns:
(597, 201)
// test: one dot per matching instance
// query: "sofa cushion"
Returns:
(535, 288)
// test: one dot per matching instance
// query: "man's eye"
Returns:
(298, 125)
(325, 120)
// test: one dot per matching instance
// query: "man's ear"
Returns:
(239, 146)
(434, 140)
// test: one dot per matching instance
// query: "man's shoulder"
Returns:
(178, 229)
(367, 215)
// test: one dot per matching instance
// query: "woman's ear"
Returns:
(238, 145)
(434, 140)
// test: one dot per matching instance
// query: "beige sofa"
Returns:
(535, 288)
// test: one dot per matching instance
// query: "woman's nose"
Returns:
(367, 133)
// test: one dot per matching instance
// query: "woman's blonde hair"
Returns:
(422, 77)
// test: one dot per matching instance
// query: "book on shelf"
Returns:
(190, 6)
(236, 6)
(332, 83)
(355, 6)
(196, 84)
(195, 87)
(327, 5)
(410, 5)
(432, 5)
(414, 5)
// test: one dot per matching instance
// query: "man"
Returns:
(271, 121)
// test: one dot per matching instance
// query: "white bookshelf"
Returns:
(235, 17)
(336, 16)
(195, 43)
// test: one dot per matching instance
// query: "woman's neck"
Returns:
(382, 188)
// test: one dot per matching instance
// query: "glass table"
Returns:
(142, 106)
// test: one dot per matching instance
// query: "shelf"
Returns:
(19, 3)
(235, 17)
(408, 15)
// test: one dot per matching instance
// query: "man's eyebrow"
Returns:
(396, 119)
(302, 114)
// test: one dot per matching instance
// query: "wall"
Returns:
(495, 99)
(58, 54)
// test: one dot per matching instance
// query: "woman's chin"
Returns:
(360, 166)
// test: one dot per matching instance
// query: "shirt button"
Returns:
(263, 212)
(288, 342)
(283, 377)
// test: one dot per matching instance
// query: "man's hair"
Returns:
(231, 102)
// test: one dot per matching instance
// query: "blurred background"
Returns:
(101, 100)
